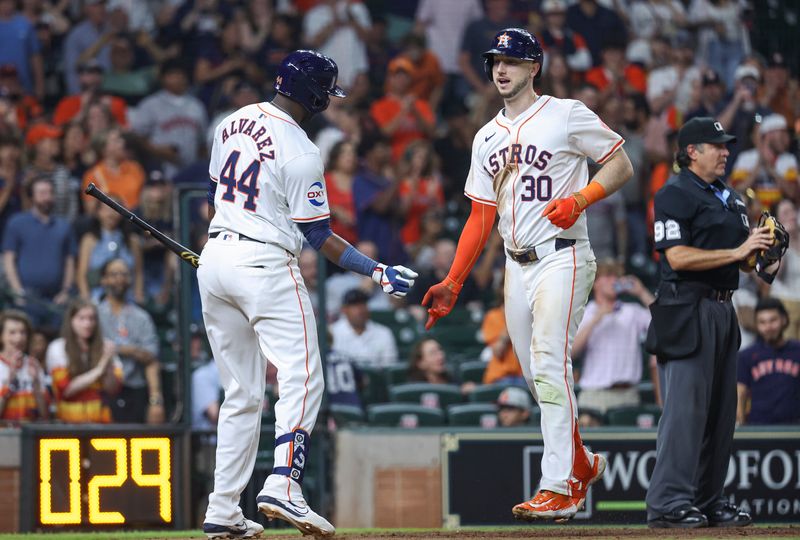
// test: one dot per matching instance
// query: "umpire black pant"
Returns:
(695, 433)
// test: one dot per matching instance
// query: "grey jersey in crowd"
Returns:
(133, 326)
(179, 121)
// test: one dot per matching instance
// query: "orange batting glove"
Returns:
(442, 298)
(565, 212)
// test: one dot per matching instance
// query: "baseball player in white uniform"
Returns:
(267, 193)
(529, 165)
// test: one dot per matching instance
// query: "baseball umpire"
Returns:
(703, 235)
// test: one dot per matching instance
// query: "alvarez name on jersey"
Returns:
(270, 176)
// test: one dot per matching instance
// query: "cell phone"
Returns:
(622, 286)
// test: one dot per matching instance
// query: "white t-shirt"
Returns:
(343, 45)
(551, 141)
(270, 176)
(613, 352)
(445, 23)
(375, 347)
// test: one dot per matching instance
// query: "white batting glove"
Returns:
(394, 280)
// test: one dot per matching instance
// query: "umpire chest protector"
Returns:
(691, 212)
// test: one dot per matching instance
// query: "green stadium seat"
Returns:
(405, 415)
(372, 385)
(397, 374)
(405, 328)
(458, 334)
(647, 393)
(473, 414)
(643, 416)
(536, 417)
(488, 393)
(472, 371)
(265, 453)
(347, 415)
(429, 395)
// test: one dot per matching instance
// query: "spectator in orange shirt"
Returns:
(26, 107)
(90, 78)
(85, 368)
(503, 366)
(115, 173)
(427, 80)
(401, 116)
(420, 190)
(341, 170)
(615, 75)
(23, 396)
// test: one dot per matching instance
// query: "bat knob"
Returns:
(90, 188)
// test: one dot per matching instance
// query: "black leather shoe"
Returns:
(686, 517)
(728, 515)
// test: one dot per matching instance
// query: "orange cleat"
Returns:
(561, 508)
(547, 505)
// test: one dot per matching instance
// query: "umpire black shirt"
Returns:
(691, 212)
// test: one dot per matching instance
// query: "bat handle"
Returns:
(91, 188)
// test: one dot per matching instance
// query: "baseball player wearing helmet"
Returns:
(529, 166)
(267, 194)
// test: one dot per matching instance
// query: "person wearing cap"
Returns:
(743, 111)
(712, 96)
(557, 37)
(400, 115)
(20, 47)
(513, 407)
(368, 343)
(703, 236)
(768, 168)
(93, 31)
(90, 79)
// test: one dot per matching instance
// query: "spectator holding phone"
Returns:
(609, 338)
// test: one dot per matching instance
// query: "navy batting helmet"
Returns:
(308, 78)
(517, 43)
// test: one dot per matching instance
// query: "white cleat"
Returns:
(243, 529)
(297, 513)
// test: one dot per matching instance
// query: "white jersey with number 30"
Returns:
(269, 175)
(549, 143)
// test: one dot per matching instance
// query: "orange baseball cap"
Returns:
(39, 132)
(401, 64)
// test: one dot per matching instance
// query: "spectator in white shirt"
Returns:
(366, 342)
(609, 338)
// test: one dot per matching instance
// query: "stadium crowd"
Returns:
(126, 94)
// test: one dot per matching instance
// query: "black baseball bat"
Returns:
(182, 251)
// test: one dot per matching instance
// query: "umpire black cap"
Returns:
(703, 130)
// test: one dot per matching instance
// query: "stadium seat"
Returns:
(429, 395)
(372, 385)
(405, 415)
(472, 371)
(473, 414)
(487, 393)
(647, 393)
(397, 374)
(347, 415)
(458, 334)
(405, 328)
(643, 416)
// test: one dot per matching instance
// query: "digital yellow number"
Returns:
(162, 478)
(120, 448)
(73, 449)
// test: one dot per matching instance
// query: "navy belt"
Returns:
(530, 255)
(241, 237)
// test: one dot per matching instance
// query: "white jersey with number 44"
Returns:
(269, 175)
(549, 142)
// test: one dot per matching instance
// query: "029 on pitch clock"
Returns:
(101, 477)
